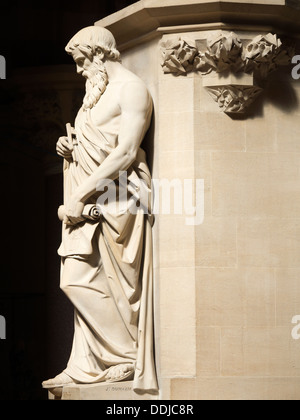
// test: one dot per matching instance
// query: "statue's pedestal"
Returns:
(104, 391)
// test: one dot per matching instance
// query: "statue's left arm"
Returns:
(136, 109)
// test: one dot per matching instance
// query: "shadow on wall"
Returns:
(293, 3)
(148, 143)
(279, 91)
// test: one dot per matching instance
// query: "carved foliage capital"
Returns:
(224, 52)
(227, 54)
(265, 53)
(234, 99)
(178, 56)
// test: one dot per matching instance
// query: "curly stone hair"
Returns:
(94, 41)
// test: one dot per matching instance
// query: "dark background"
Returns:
(35, 32)
(39, 318)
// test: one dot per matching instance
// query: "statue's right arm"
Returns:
(136, 107)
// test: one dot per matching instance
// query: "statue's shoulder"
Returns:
(134, 92)
(131, 79)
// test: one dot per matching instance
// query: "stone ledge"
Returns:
(144, 18)
(104, 391)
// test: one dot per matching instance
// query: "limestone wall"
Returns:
(230, 286)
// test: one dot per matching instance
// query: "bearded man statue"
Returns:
(106, 268)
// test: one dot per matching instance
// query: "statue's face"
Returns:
(83, 63)
(94, 71)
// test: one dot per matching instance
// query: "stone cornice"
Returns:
(144, 19)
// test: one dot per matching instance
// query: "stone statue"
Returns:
(106, 267)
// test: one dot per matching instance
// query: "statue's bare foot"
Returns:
(120, 373)
(59, 381)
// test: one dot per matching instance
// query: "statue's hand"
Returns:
(64, 148)
(71, 213)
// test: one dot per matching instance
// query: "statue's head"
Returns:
(91, 47)
(94, 41)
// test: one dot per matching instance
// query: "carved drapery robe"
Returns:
(107, 270)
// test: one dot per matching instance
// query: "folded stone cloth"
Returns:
(90, 211)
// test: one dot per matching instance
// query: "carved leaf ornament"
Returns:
(227, 53)
(234, 99)
(178, 56)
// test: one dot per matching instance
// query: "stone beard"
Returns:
(96, 83)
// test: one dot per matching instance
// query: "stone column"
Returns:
(226, 112)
